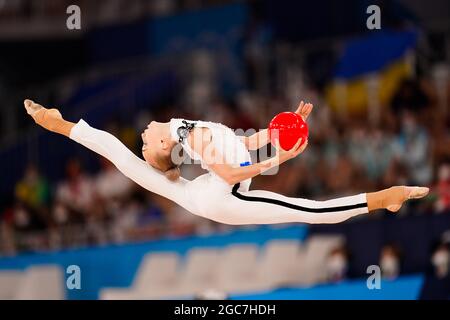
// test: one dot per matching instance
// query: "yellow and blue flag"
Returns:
(383, 55)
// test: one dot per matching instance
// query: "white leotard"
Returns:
(209, 196)
(225, 141)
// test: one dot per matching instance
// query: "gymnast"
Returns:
(223, 193)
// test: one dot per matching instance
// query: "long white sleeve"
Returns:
(108, 146)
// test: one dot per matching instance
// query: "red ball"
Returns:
(288, 127)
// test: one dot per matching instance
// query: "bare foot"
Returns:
(396, 196)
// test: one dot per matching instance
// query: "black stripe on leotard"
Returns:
(294, 206)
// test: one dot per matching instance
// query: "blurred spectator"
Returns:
(442, 188)
(7, 243)
(396, 174)
(372, 149)
(33, 189)
(441, 139)
(412, 147)
(77, 192)
(437, 284)
(125, 218)
(410, 96)
(440, 261)
(21, 218)
(337, 265)
(110, 183)
(60, 214)
(390, 261)
(343, 177)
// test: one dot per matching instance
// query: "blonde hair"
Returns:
(165, 164)
(173, 174)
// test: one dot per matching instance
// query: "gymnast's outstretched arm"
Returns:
(111, 148)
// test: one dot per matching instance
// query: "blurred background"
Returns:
(381, 118)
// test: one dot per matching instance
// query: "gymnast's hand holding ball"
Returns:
(288, 132)
(285, 155)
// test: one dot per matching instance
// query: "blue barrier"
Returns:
(404, 288)
(415, 235)
(115, 266)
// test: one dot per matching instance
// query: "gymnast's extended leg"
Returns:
(111, 148)
(265, 207)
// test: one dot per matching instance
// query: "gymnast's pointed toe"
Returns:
(31, 107)
(417, 192)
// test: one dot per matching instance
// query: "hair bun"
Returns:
(173, 174)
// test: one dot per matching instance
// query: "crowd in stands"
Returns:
(344, 156)
(390, 264)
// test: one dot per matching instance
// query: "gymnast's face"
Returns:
(155, 142)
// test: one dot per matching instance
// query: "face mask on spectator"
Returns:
(409, 126)
(21, 218)
(409, 129)
(60, 214)
(389, 266)
(444, 173)
(440, 261)
(337, 264)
